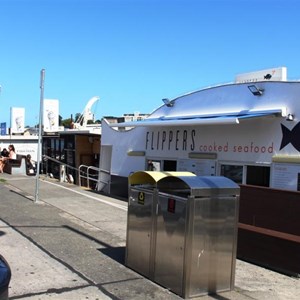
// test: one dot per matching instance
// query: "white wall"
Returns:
(123, 142)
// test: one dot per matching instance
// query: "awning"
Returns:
(218, 119)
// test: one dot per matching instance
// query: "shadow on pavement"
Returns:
(115, 253)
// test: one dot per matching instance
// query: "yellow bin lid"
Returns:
(152, 177)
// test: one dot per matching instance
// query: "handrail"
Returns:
(88, 176)
(99, 180)
(46, 157)
(60, 163)
(84, 172)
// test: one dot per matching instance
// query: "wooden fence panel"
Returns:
(269, 228)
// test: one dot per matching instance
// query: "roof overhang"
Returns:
(216, 119)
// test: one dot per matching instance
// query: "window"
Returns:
(235, 173)
(170, 165)
(161, 165)
(153, 165)
(258, 175)
(254, 175)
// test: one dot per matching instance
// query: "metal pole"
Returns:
(39, 136)
(10, 123)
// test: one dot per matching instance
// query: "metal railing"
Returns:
(88, 175)
(84, 172)
(47, 158)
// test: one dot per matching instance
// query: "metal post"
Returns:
(40, 136)
(10, 124)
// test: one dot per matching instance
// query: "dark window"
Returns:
(170, 165)
(235, 173)
(258, 175)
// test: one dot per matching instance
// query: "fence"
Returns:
(269, 228)
(86, 175)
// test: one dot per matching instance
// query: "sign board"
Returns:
(17, 119)
(285, 176)
(198, 167)
(141, 198)
(276, 74)
(3, 128)
(51, 115)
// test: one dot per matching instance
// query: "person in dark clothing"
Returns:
(4, 153)
(29, 165)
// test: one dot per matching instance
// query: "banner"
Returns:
(51, 115)
(17, 119)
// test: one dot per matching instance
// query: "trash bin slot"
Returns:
(172, 195)
(183, 193)
(214, 192)
(145, 187)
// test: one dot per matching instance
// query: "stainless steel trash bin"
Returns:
(196, 235)
(141, 219)
(182, 231)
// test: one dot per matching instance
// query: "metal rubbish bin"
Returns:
(182, 232)
(141, 219)
(196, 234)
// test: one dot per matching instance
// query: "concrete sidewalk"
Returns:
(71, 245)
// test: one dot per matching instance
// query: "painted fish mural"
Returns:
(290, 136)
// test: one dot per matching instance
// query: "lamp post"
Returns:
(39, 136)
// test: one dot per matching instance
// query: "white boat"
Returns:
(252, 123)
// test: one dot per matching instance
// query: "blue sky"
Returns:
(133, 53)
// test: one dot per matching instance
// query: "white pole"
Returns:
(40, 136)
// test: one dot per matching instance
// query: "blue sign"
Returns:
(3, 128)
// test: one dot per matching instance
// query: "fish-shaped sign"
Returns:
(268, 76)
(290, 136)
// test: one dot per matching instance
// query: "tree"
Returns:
(66, 123)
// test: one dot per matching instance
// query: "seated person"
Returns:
(11, 155)
(30, 165)
(4, 153)
(12, 152)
